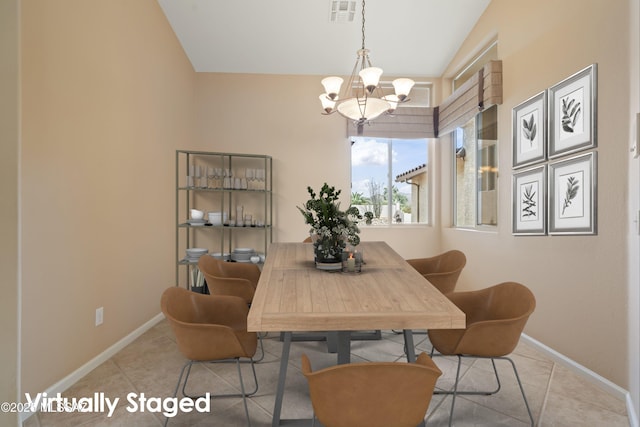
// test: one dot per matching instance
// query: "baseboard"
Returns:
(79, 373)
(587, 374)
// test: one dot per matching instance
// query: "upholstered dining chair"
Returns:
(496, 317)
(231, 278)
(210, 328)
(441, 270)
(372, 394)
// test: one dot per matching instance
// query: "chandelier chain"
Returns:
(363, 1)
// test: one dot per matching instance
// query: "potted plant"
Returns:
(331, 228)
(368, 217)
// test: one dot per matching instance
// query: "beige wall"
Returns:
(107, 98)
(580, 282)
(9, 135)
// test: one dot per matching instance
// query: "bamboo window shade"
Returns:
(479, 92)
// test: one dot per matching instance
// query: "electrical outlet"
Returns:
(99, 316)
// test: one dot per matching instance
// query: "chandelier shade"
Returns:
(362, 99)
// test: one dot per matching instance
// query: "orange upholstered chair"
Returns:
(229, 278)
(210, 328)
(441, 270)
(372, 394)
(496, 317)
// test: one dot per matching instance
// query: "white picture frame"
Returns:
(572, 113)
(530, 201)
(529, 131)
(573, 195)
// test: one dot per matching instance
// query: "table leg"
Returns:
(344, 347)
(284, 363)
(411, 353)
(332, 341)
(409, 346)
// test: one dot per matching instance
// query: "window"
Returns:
(380, 164)
(476, 171)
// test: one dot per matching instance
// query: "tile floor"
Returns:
(152, 363)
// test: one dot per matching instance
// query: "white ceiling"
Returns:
(406, 37)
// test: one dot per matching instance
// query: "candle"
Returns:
(351, 263)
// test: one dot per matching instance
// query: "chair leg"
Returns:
(526, 403)
(258, 360)
(455, 391)
(243, 394)
(474, 393)
(175, 392)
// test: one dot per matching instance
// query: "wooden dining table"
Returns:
(294, 296)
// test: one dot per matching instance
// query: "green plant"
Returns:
(332, 228)
(368, 217)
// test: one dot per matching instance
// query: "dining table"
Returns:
(293, 295)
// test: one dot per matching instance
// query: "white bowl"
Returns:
(241, 257)
(196, 251)
(196, 214)
(243, 250)
(255, 259)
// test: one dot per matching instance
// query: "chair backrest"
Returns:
(227, 278)
(496, 317)
(208, 327)
(441, 270)
(372, 394)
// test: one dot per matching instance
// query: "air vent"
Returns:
(342, 11)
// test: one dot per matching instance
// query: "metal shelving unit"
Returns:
(224, 183)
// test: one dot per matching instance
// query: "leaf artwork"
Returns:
(529, 202)
(530, 129)
(570, 113)
(572, 192)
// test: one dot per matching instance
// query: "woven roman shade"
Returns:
(404, 123)
(482, 90)
(492, 84)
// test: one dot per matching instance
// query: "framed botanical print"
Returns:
(572, 191)
(572, 113)
(529, 201)
(530, 131)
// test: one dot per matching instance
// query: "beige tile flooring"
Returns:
(152, 363)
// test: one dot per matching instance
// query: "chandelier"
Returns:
(362, 99)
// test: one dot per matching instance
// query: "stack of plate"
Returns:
(194, 253)
(242, 254)
(222, 256)
(195, 222)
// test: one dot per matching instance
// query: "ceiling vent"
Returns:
(342, 11)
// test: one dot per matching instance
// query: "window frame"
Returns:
(391, 182)
(477, 225)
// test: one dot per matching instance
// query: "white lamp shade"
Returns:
(370, 77)
(332, 86)
(403, 87)
(393, 102)
(363, 108)
(327, 104)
